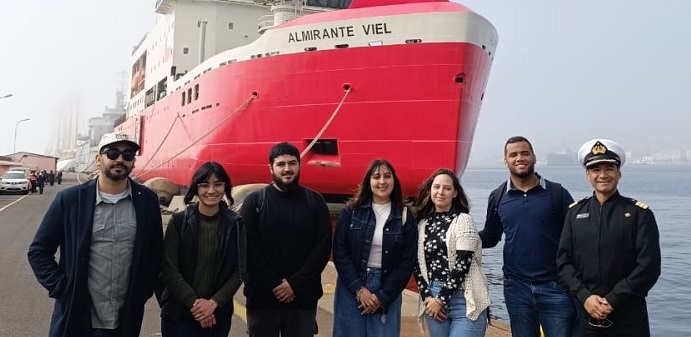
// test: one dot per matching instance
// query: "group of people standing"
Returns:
(40, 178)
(573, 269)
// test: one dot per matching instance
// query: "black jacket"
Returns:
(287, 238)
(230, 266)
(67, 225)
(611, 250)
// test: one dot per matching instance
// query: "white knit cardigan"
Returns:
(462, 235)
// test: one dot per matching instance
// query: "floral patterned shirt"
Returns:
(437, 260)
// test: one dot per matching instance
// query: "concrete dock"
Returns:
(25, 308)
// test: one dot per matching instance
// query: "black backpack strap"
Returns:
(496, 197)
(262, 200)
(557, 198)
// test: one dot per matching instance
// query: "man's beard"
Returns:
(117, 176)
(526, 174)
(286, 187)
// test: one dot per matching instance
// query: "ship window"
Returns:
(324, 146)
(183, 98)
(189, 95)
(230, 25)
(186, 50)
(196, 92)
(345, 45)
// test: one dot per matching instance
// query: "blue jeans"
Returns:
(546, 304)
(456, 323)
(348, 321)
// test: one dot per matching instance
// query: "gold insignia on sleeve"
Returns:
(573, 204)
(641, 205)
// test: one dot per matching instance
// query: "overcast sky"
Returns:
(564, 72)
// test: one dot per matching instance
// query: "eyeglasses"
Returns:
(113, 154)
(217, 185)
(600, 323)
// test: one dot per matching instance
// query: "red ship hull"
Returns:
(415, 105)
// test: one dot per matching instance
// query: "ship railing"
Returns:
(164, 6)
(265, 22)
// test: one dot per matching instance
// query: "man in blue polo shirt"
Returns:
(530, 211)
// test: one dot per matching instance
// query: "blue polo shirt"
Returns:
(532, 227)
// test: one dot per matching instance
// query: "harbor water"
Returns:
(665, 189)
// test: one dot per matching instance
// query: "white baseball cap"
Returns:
(117, 137)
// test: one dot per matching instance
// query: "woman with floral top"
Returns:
(449, 273)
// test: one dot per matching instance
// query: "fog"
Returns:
(564, 72)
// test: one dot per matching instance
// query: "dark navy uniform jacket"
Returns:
(611, 250)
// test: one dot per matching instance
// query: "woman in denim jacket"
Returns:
(449, 273)
(374, 252)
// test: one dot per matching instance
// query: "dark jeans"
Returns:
(287, 323)
(546, 304)
(188, 327)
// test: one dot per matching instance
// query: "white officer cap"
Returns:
(601, 151)
(117, 137)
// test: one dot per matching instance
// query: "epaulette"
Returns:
(578, 202)
(638, 203)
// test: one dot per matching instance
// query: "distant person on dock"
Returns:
(530, 211)
(288, 246)
(449, 274)
(609, 253)
(59, 177)
(32, 179)
(51, 178)
(374, 253)
(41, 181)
(204, 259)
(110, 237)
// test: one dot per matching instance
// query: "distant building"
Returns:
(566, 158)
(35, 161)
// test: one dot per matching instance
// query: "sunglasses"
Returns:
(600, 323)
(113, 154)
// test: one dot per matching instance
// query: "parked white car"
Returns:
(15, 181)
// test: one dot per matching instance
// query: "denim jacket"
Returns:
(352, 243)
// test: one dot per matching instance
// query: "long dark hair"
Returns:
(202, 175)
(423, 204)
(363, 193)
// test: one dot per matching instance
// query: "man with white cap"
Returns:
(110, 238)
(609, 252)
